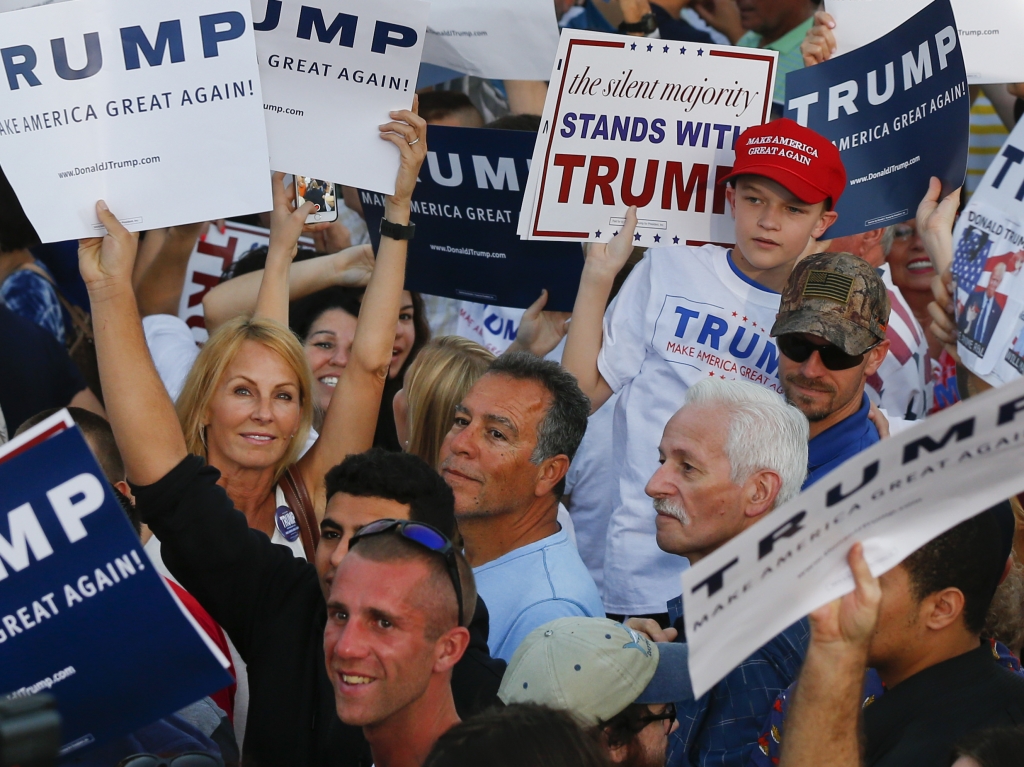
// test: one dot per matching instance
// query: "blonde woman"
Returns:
(435, 383)
(247, 405)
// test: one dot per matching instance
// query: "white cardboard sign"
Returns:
(131, 103)
(894, 497)
(990, 31)
(501, 39)
(331, 71)
(646, 122)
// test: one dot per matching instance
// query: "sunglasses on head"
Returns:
(832, 357)
(425, 535)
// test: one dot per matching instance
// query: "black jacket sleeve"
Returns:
(240, 577)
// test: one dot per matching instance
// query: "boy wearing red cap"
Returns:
(688, 313)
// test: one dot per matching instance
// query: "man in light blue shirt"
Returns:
(505, 458)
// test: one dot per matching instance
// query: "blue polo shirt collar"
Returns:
(837, 440)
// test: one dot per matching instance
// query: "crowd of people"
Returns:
(421, 545)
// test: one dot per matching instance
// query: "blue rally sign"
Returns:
(898, 110)
(466, 209)
(83, 613)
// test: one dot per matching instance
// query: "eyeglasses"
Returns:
(800, 349)
(186, 759)
(903, 233)
(668, 714)
(425, 535)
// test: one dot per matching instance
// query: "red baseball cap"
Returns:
(802, 160)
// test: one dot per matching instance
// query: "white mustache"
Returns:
(670, 507)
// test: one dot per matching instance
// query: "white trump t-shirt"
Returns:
(683, 315)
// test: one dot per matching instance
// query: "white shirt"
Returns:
(173, 348)
(684, 314)
(591, 490)
(900, 385)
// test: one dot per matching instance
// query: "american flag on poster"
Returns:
(969, 259)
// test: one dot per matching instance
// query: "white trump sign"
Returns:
(501, 39)
(131, 102)
(894, 497)
(645, 122)
(990, 31)
(331, 72)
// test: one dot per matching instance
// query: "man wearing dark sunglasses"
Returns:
(830, 331)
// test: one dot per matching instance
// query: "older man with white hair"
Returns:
(729, 456)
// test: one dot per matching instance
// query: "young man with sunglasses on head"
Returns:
(274, 606)
(687, 314)
(831, 337)
(395, 630)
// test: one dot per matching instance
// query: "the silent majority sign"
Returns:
(645, 122)
(894, 497)
(131, 103)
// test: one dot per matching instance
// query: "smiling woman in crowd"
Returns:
(248, 402)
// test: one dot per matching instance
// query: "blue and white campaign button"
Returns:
(287, 523)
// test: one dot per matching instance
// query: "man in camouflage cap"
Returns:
(830, 331)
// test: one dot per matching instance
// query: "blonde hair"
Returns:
(438, 379)
(213, 360)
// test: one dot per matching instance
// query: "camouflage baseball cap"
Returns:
(836, 296)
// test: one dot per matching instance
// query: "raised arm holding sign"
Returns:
(132, 111)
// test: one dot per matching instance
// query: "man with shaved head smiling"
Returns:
(395, 630)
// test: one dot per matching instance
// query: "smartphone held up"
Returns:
(321, 194)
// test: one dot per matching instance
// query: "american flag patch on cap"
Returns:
(831, 285)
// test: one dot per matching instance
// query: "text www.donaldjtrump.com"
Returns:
(42, 684)
(99, 167)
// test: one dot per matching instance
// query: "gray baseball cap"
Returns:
(595, 668)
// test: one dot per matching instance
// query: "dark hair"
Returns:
(399, 477)
(256, 259)
(565, 422)
(436, 105)
(994, 747)
(395, 548)
(305, 311)
(519, 735)
(16, 231)
(967, 557)
(97, 431)
(516, 122)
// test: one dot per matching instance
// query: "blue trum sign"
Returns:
(466, 209)
(83, 613)
(898, 110)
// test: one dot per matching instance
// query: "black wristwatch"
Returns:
(647, 24)
(397, 231)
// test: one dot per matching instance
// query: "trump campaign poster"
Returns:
(898, 110)
(131, 103)
(988, 269)
(893, 497)
(645, 122)
(84, 615)
(470, 192)
(332, 71)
